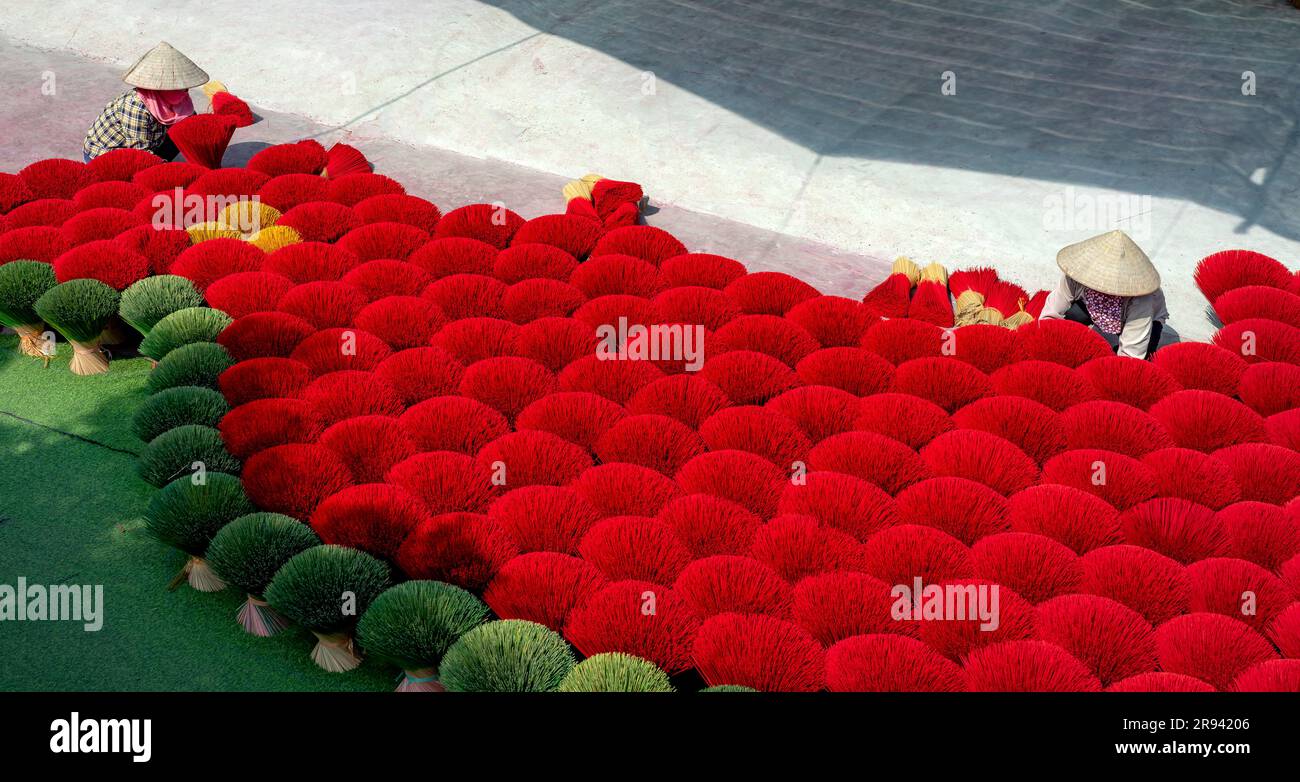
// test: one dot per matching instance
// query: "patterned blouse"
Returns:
(125, 122)
(1106, 311)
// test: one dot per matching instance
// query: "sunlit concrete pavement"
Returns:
(980, 131)
(37, 124)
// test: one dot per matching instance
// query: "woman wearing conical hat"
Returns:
(1108, 283)
(139, 118)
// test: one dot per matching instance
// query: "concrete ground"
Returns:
(37, 125)
(982, 131)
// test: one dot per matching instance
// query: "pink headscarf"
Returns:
(167, 106)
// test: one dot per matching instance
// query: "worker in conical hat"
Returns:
(161, 81)
(1108, 283)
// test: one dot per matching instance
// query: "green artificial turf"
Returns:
(70, 512)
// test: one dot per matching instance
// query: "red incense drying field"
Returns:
(409, 407)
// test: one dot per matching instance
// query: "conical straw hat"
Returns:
(1111, 263)
(164, 68)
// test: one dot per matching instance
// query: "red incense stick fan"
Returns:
(203, 138)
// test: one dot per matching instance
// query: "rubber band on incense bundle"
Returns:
(22, 283)
(413, 625)
(307, 589)
(1019, 318)
(186, 515)
(1002, 301)
(79, 310)
(247, 552)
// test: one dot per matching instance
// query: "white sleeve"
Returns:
(1058, 301)
(1136, 336)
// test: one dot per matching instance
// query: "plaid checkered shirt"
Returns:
(125, 123)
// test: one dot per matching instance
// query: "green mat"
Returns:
(70, 506)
